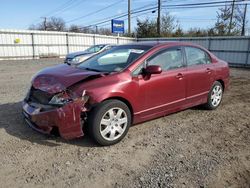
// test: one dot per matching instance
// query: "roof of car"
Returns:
(159, 43)
(105, 45)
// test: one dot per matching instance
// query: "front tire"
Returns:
(109, 122)
(214, 96)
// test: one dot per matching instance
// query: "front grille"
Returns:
(39, 96)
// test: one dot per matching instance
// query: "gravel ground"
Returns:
(192, 148)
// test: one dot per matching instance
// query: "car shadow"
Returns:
(12, 121)
(199, 108)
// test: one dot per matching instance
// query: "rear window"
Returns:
(196, 56)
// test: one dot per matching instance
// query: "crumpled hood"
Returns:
(58, 78)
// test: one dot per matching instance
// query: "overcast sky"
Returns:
(19, 14)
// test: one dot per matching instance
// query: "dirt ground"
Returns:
(192, 148)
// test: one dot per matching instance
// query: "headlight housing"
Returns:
(79, 59)
(76, 59)
(60, 99)
(63, 98)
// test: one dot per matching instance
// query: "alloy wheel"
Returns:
(113, 124)
(216, 95)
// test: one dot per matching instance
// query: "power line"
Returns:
(137, 15)
(55, 10)
(167, 7)
(74, 4)
(197, 7)
(186, 19)
(66, 4)
(125, 13)
(190, 6)
(120, 16)
(94, 12)
(206, 3)
(145, 6)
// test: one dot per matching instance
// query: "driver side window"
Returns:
(168, 59)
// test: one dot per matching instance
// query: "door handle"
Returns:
(179, 76)
(208, 70)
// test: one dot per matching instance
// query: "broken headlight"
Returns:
(65, 97)
(60, 99)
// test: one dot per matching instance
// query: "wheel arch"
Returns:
(222, 83)
(124, 101)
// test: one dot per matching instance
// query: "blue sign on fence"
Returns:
(117, 26)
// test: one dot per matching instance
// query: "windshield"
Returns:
(95, 48)
(114, 60)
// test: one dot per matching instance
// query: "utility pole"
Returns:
(231, 18)
(244, 21)
(129, 17)
(45, 23)
(159, 18)
(96, 29)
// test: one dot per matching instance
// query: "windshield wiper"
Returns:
(90, 69)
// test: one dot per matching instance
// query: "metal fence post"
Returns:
(117, 40)
(248, 50)
(33, 46)
(209, 43)
(94, 39)
(67, 42)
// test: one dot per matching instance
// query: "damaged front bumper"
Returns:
(67, 119)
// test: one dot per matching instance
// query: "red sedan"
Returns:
(126, 85)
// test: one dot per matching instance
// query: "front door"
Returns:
(166, 91)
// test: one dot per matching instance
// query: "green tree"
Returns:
(196, 32)
(148, 27)
(239, 17)
(178, 33)
(75, 29)
(168, 25)
(222, 25)
(104, 31)
(51, 24)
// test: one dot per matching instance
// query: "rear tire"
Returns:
(109, 122)
(214, 96)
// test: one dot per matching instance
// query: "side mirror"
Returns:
(152, 69)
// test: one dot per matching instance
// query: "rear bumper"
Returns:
(67, 119)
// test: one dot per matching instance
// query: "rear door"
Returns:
(199, 74)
